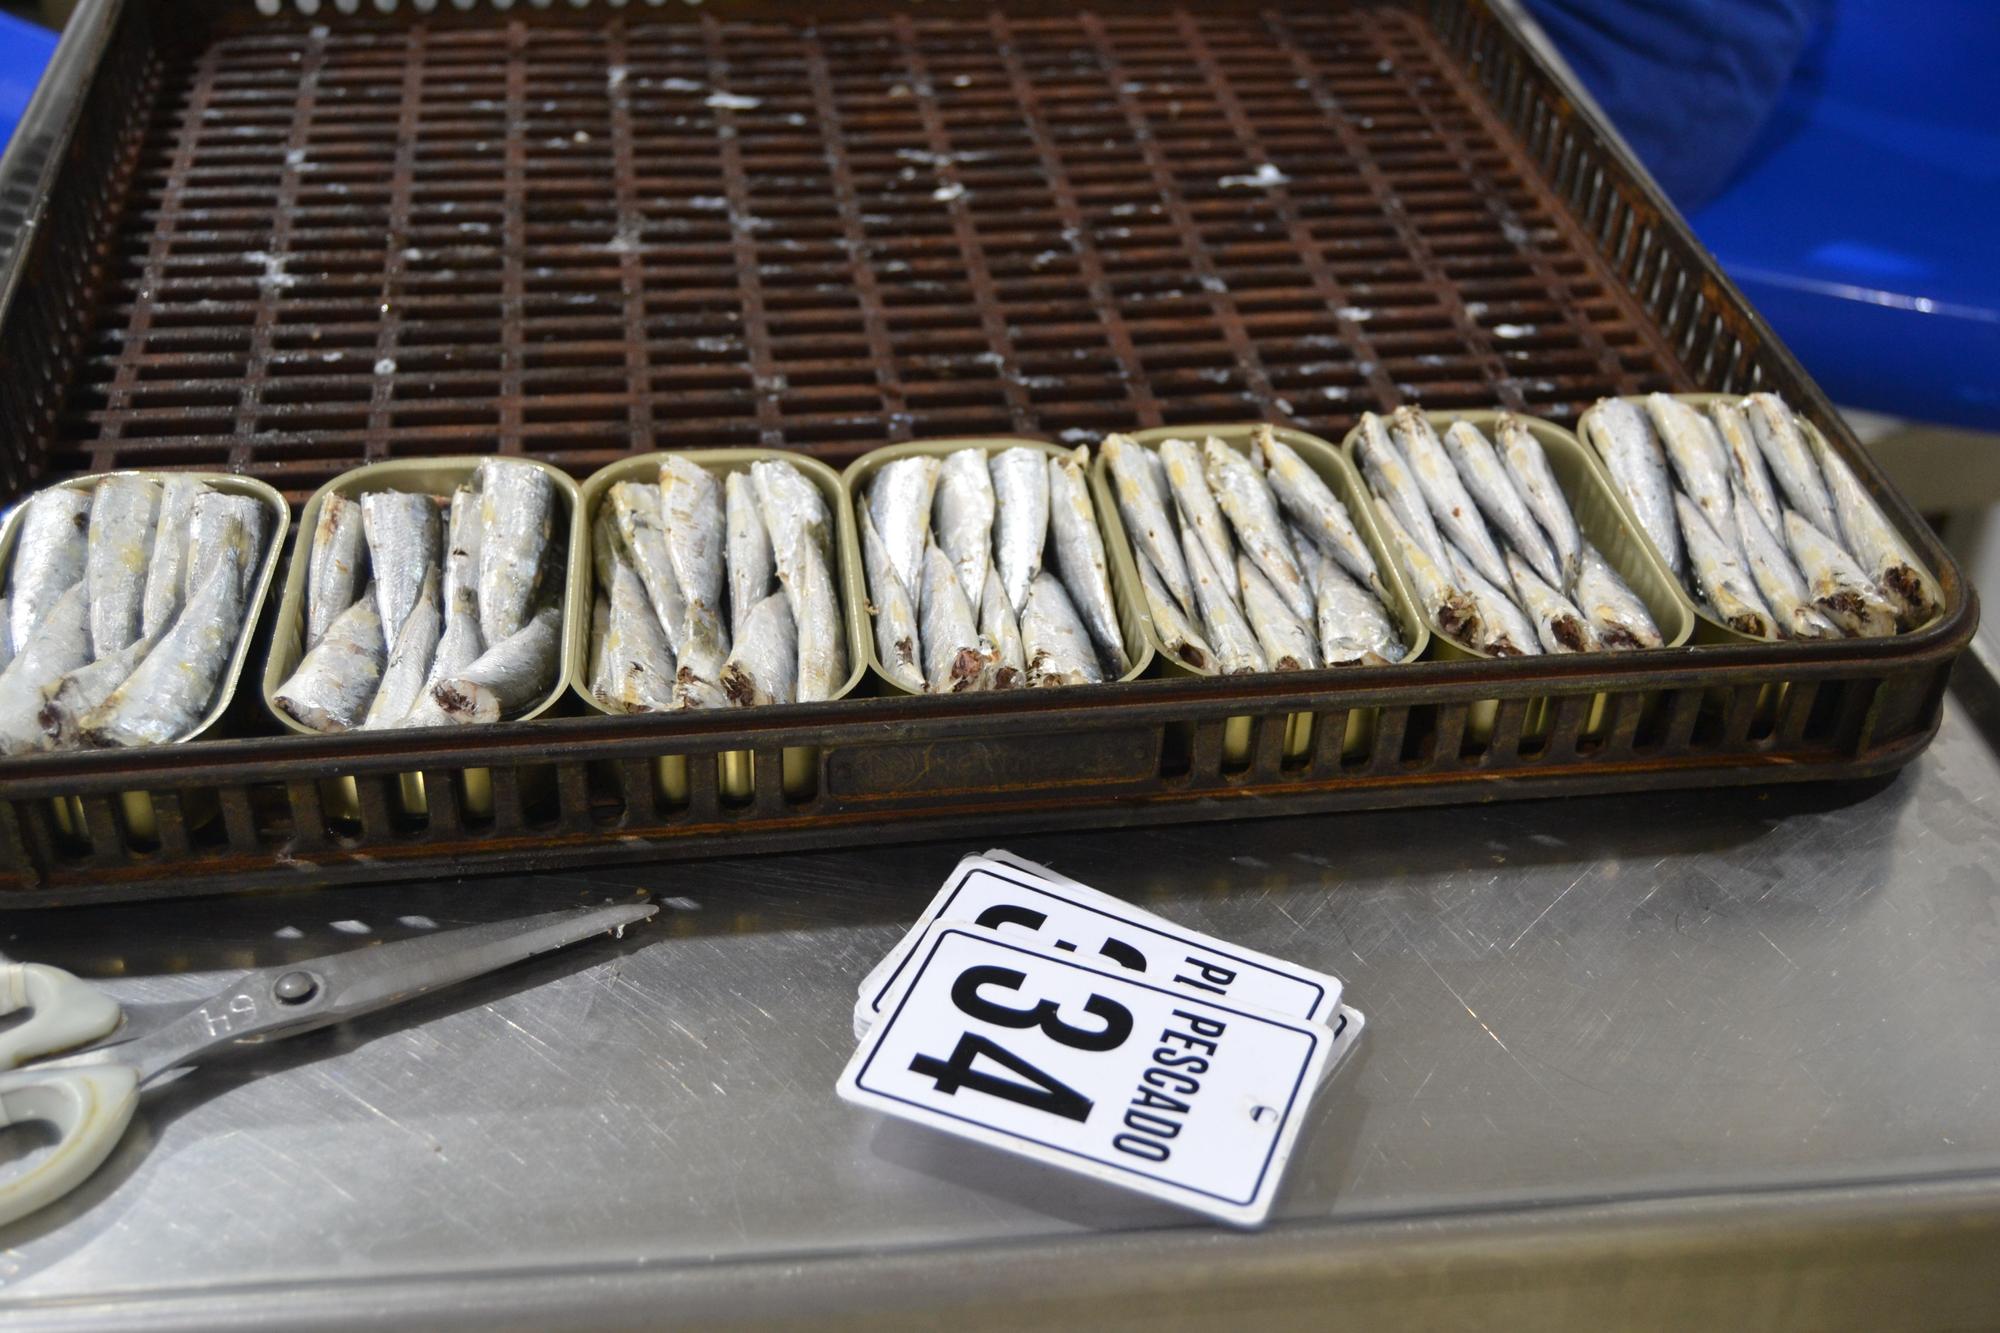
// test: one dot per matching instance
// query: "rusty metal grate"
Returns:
(362, 241)
(291, 248)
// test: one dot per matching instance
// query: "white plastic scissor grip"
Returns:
(67, 1012)
(90, 1109)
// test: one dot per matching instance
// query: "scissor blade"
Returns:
(286, 1000)
(367, 979)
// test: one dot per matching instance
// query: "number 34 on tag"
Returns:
(1094, 1071)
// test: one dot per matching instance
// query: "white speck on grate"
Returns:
(1263, 178)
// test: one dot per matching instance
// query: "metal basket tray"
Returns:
(287, 245)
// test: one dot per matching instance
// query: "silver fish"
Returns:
(1020, 519)
(763, 668)
(822, 632)
(1701, 462)
(1621, 619)
(1492, 486)
(1638, 468)
(1746, 465)
(58, 645)
(410, 657)
(952, 657)
(796, 516)
(1138, 481)
(167, 694)
(1246, 498)
(405, 538)
(691, 512)
(1509, 633)
(1389, 476)
(795, 513)
(77, 695)
(1450, 606)
(334, 568)
(1080, 560)
(900, 498)
(1777, 578)
(1056, 643)
(6, 634)
(1559, 625)
(1535, 482)
(1451, 505)
(124, 511)
(898, 641)
(49, 557)
(1316, 510)
(962, 514)
(753, 571)
(1876, 545)
(1719, 573)
(510, 676)
(1186, 473)
(218, 522)
(330, 689)
(1354, 627)
(1001, 629)
(802, 531)
(464, 541)
(1840, 588)
(458, 647)
(1235, 648)
(1784, 447)
(635, 512)
(166, 578)
(517, 515)
(1286, 643)
(1177, 635)
(636, 671)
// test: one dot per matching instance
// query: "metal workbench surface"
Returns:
(1707, 1055)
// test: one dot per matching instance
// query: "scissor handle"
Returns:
(90, 1109)
(67, 1012)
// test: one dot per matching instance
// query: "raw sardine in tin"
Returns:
(1600, 515)
(428, 476)
(845, 554)
(1127, 598)
(1346, 485)
(1332, 469)
(141, 820)
(278, 518)
(735, 769)
(1708, 629)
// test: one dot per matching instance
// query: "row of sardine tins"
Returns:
(1488, 540)
(429, 610)
(1761, 519)
(715, 592)
(988, 571)
(125, 604)
(1249, 562)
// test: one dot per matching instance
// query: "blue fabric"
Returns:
(1689, 83)
(24, 49)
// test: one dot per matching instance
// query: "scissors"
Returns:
(91, 1093)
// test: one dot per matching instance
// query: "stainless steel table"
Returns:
(1715, 1057)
